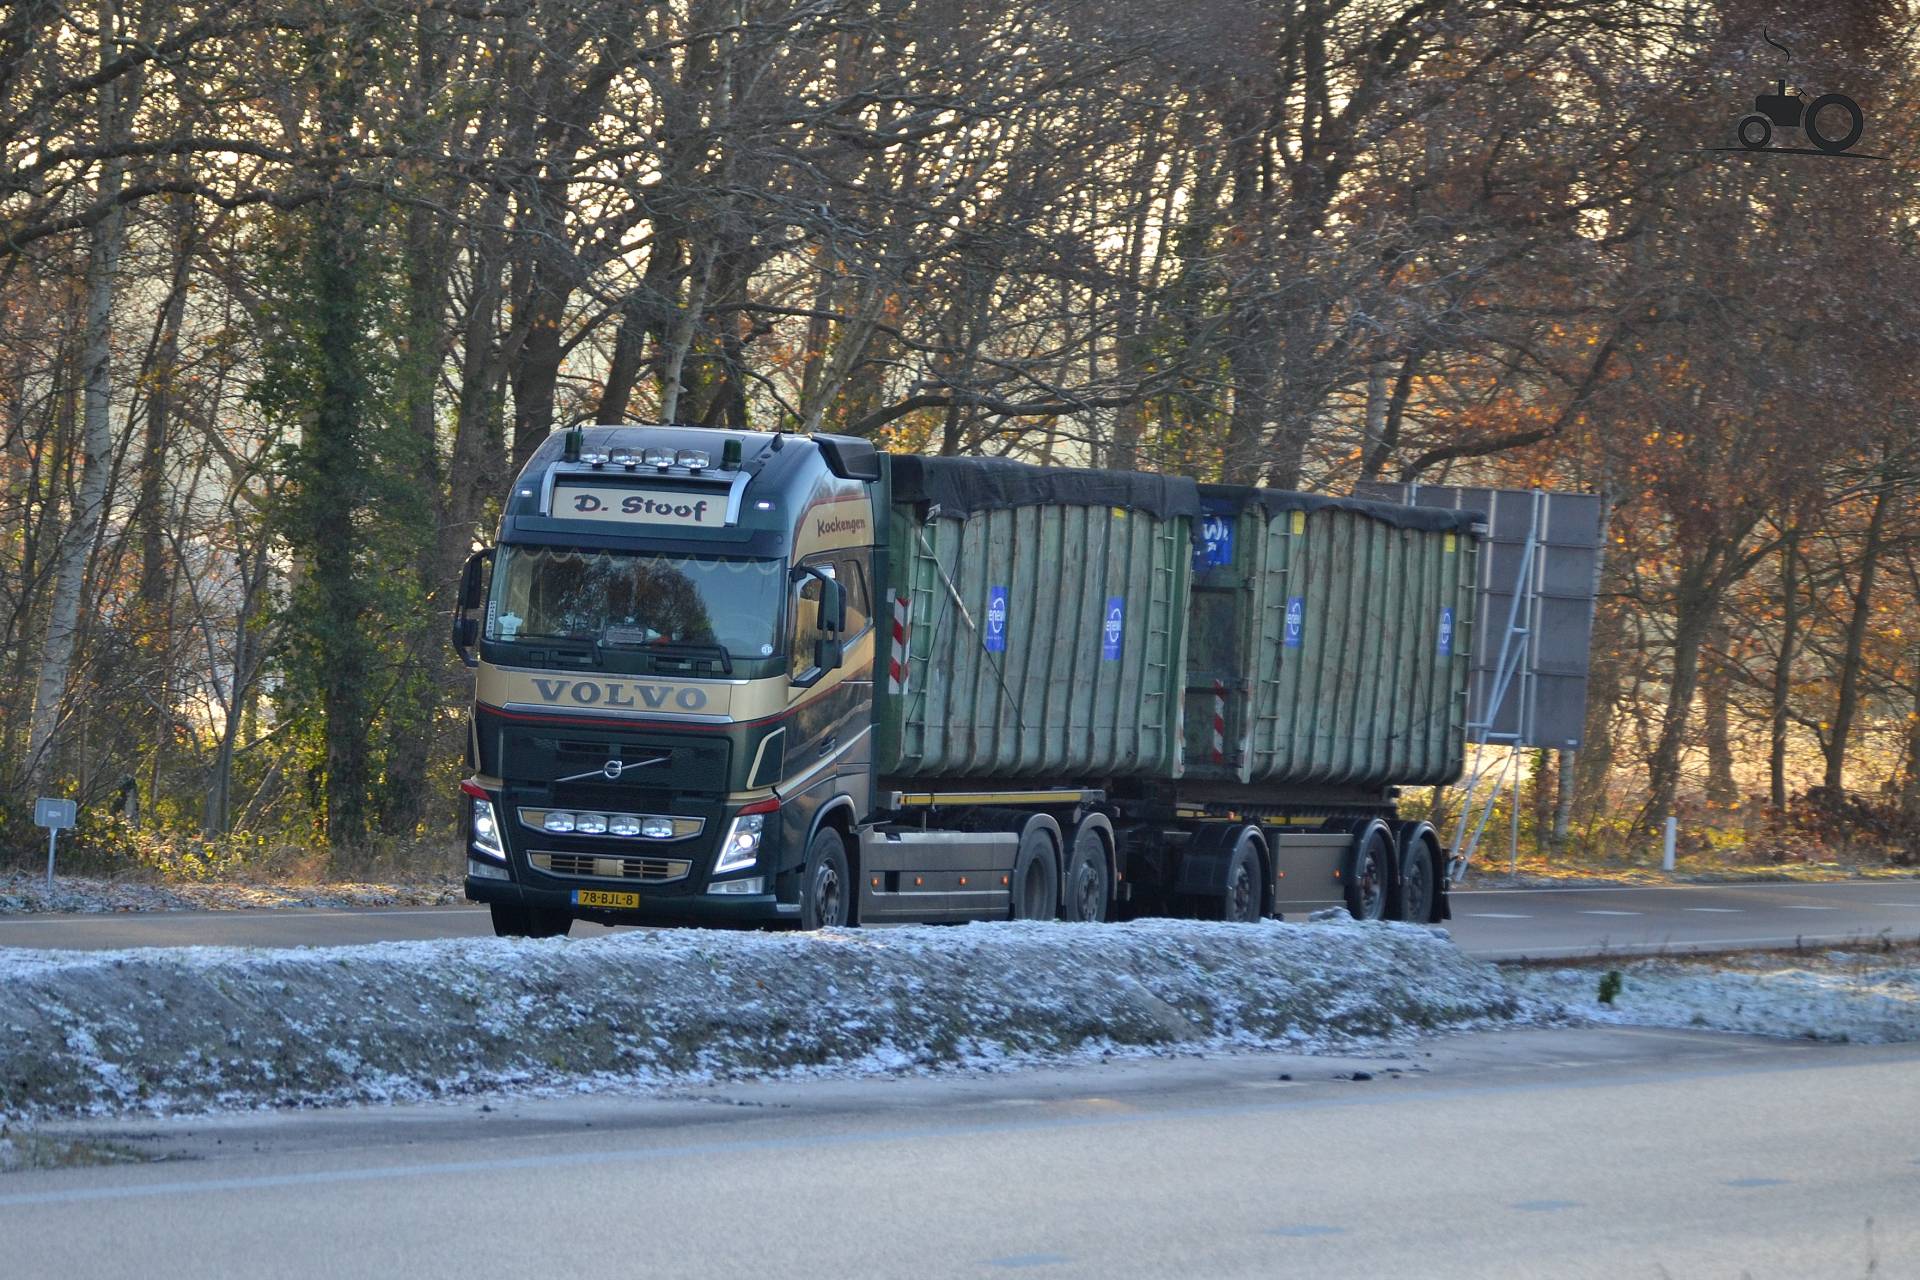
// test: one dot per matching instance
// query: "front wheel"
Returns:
(1755, 132)
(826, 883)
(1842, 126)
(512, 920)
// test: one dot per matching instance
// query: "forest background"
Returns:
(289, 288)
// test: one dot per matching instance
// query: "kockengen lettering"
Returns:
(616, 693)
(840, 524)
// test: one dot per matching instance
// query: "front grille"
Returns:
(601, 867)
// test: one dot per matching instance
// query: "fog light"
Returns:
(623, 824)
(590, 824)
(752, 884)
(559, 822)
(657, 828)
(486, 870)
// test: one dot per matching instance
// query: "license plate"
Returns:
(603, 898)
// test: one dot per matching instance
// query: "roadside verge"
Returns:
(201, 1028)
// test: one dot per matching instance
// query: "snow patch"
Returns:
(1853, 997)
(199, 1028)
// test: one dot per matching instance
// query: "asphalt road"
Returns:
(1603, 1153)
(1497, 924)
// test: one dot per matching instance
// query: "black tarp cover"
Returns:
(1239, 497)
(963, 486)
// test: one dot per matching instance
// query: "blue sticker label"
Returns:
(996, 637)
(1216, 543)
(1446, 631)
(1114, 628)
(1296, 621)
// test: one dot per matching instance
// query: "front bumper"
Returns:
(679, 908)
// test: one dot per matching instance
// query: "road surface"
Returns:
(1497, 924)
(1567, 1153)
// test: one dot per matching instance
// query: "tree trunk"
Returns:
(1783, 667)
(1722, 792)
(1563, 806)
(335, 489)
(96, 367)
(1695, 607)
(1848, 703)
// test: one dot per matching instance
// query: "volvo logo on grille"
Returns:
(612, 769)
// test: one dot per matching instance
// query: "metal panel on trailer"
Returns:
(1363, 651)
(1063, 655)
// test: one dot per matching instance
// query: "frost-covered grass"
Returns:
(198, 1028)
(1868, 997)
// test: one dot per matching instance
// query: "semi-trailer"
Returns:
(751, 678)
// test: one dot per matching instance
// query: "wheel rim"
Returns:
(1242, 895)
(1086, 893)
(828, 903)
(1370, 886)
(1419, 888)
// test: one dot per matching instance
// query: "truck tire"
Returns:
(826, 883)
(1369, 874)
(1087, 891)
(512, 920)
(1241, 900)
(1412, 898)
(1036, 877)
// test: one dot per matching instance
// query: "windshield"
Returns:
(617, 599)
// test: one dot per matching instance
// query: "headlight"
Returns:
(590, 824)
(486, 830)
(659, 457)
(741, 848)
(559, 821)
(623, 824)
(692, 459)
(657, 828)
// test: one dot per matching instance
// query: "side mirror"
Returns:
(466, 627)
(470, 579)
(833, 606)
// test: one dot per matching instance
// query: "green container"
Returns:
(1061, 660)
(1348, 625)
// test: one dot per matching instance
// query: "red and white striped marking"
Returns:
(897, 665)
(1219, 722)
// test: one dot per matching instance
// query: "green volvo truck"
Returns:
(727, 677)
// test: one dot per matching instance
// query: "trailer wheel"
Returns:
(1036, 876)
(1240, 902)
(513, 920)
(1085, 896)
(1369, 873)
(1413, 895)
(826, 882)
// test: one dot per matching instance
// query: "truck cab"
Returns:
(673, 646)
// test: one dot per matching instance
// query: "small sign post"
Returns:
(56, 816)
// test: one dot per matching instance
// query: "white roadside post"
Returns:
(56, 816)
(1666, 846)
